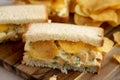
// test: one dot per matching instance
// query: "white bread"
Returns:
(23, 14)
(69, 32)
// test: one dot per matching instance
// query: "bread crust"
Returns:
(23, 14)
(58, 31)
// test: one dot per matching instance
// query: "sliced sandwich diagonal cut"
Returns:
(13, 19)
(63, 46)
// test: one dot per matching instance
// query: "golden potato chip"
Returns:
(74, 47)
(107, 15)
(79, 11)
(43, 50)
(88, 5)
(105, 4)
(3, 28)
(117, 57)
(116, 36)
(107, 45)
(80, 20)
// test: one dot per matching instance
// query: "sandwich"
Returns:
(64, 46)
(58, 9)
(13, 20)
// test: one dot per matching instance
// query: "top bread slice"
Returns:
(23, 14)
(69, 32)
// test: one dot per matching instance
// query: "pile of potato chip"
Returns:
(96, 12)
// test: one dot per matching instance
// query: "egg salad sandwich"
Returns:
(13, 19)
(64, 46)
(58, 9)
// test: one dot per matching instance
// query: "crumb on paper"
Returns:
(54, 77)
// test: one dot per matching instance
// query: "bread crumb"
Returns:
(54, 77)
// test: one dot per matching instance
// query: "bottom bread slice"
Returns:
(28, 60)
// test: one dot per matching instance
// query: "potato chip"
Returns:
(80, 20)
(107, 45)
(117, 57)
(74, 47)
(88, 5)
(43, 50)
(116, 36)
(107, 15)
(3, 28)
(80, 11)
(105, 4)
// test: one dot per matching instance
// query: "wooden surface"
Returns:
(11, 55)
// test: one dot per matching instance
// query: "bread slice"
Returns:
(28, 60)
(23, 14)
(69, 32)
(58, 9)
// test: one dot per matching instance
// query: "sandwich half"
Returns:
(58, 9)
(63, 46)
(13, 19)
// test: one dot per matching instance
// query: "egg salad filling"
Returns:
(9, 32)
(75, 54)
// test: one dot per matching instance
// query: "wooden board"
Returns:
(11, 55)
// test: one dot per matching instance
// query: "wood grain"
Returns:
(11, 54)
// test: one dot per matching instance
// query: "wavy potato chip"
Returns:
(81, 11)
(117, 57)
(74, 47)
(105, 4)
(80, 20)
(116, 36)
(43, 50)
(107, 15)
(107, 45)
(88, 5)
(3, 28)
